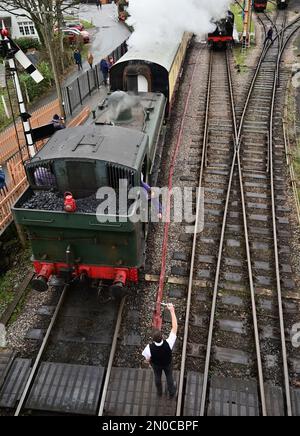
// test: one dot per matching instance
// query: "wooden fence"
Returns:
(8, 139)
(17, 177)
(14, 189)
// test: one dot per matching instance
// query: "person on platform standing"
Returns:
(104, 67)
(77, 58)
(99, 4)
(159, 355)
(110, 61)
(58, 122)
(2, 178)
(90, 59)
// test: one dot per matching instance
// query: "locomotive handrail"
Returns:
(29, 220)
(105, 224)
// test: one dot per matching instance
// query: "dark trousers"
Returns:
(169, 376)
(105, 77)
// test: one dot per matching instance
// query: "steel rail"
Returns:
(250, 91)
(252, 289)
(19, 293)
(262, 57)
(217, 276)
(252, 293)
(41, 351)
(282, 47)
(215, 292)
(111, 357)
(192, 264)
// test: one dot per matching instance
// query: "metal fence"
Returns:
(82, 87)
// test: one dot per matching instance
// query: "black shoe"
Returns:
(159, 391)
(173, 393)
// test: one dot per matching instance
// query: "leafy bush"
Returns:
(27, 43)
(34, 89)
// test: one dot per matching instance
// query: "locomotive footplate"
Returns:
(66, 388)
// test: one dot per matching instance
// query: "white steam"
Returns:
(155, 21)
(120, 102)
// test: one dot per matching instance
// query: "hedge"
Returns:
(34, 89)
(28, 43)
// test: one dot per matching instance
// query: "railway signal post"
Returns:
(247, 23)
(11, 52)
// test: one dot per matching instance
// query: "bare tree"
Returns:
(46, 15)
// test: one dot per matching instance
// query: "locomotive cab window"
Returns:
(41, 175)
(144, 174)
(143, 85)
(81, 178)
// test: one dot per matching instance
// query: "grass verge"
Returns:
(12, 278)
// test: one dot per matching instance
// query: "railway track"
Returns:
(73, 364)
(247, 266)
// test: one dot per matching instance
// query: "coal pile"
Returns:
(52, 201)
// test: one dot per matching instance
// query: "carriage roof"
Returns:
(160, 54)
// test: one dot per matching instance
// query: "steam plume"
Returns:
(119, 102)
(155, 21)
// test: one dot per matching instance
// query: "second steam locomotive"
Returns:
(223, 33)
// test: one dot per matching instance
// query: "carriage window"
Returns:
(132, 83)
(142, 84)
(41, 175)
(144, 174)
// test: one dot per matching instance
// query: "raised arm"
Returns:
(173, 318)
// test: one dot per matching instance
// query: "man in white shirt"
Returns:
(159, 354)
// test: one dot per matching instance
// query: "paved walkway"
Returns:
(107, 35)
